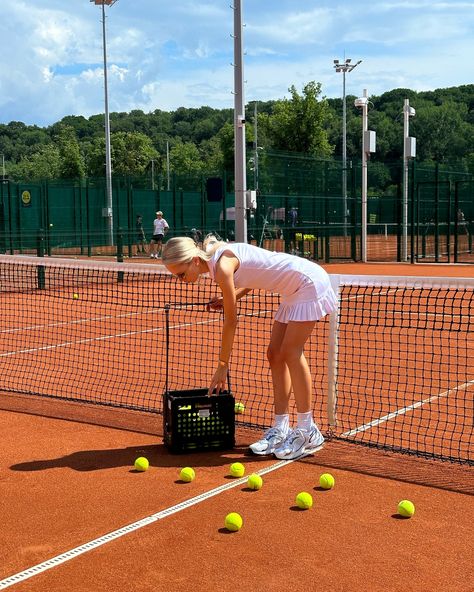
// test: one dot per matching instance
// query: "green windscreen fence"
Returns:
(307, 206)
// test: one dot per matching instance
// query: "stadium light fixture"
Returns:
(108, 211)
(344, 67)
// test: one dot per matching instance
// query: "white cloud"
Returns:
(167, 56)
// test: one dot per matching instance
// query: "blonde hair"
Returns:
(183, 249)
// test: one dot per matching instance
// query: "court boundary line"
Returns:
(132, 527)
(404, 410)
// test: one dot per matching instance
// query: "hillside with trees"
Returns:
(200, 140)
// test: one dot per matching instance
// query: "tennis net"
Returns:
(393, 368)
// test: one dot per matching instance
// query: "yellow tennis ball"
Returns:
(237, 469)
(75, 295)
(326, 481)
(304, 500)
(406, 508)
(239, 408)
(141, 464)
(233, 522)
(254, 481)
(187, 474)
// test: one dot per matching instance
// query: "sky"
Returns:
(165, 55)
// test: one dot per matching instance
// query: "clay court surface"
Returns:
(68, 483)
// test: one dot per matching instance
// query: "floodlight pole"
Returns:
(108, 155)
(365, 107)
(407, 154)
(167, 165)
(344, 68)
(240, 182)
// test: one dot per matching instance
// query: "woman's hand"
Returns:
(217, 303)
(219, 380)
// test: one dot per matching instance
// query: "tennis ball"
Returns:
(237, 469)
(75, 296)
(406, 508)
(255, 481)
(326, 481)
(233, 522)
(187, 474)
(141, 464)
(239, 408)
(304, 500)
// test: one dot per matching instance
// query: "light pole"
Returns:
(153, 174)
(240, 183)
(168, 165)
(368, 146)
(108, 158)
(255, 146)
(344, 68)
(409, 151)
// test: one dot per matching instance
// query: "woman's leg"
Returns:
(306, 437)
(280, 374)
(289, 365)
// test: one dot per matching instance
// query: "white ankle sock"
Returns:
(305, 420)
(282, 422)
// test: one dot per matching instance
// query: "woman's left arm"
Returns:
(225, 279)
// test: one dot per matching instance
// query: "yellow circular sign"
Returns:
(26, 197)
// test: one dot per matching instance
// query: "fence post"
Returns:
(40, 253)
(120, 253)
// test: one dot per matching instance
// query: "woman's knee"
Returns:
(275, 356)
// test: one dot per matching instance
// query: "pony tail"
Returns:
(211, 243)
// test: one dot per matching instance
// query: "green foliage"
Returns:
(71, 160)
(131, 154)
(296, 125)
(202, 139)
(185, 158)
(45, 163)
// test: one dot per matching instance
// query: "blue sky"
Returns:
(166, 55)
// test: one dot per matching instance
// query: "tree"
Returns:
(296, 125)
(72, 162)
(131, 154)
(43, 164)
(442, 131)
(185, 158)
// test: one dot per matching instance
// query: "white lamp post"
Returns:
(108, 159)
(344, 67)
(368, 146)
(240, 182)
(409, 151)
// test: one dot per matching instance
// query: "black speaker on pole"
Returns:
(214, 189)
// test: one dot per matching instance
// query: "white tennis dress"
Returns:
(304, 287)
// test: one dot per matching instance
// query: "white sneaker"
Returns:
(299, 442)
(272, 438)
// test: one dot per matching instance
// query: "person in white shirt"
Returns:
(306, 297)
(160, 228)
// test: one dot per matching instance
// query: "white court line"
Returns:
(92, 319)
(102, 338)
(116, 534)
(81, 321)
(404, 410)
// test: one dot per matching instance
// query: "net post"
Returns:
(167, 343)
(333, 354)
